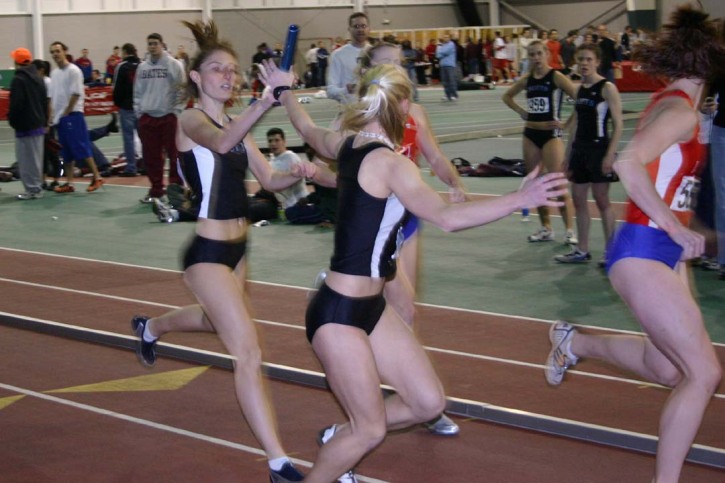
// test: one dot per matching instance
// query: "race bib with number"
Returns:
(538, 105)
(685, 193)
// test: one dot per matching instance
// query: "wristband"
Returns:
(278, 91)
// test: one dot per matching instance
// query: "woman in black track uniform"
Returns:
(360, 340)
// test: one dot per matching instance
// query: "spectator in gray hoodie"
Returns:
(28, 115)
(157, 101)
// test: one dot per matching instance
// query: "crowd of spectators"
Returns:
(449, 61)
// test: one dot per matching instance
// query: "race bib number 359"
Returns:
(538, 105)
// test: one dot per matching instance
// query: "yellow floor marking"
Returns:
(165, 381)
(7, 401)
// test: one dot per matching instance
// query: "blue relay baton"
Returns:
(290, 47)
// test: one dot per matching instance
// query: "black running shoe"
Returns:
(145, 351)
(287, 473)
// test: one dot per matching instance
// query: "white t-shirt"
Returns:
(64, 83)
(311, 56)
(289, 196)
(510, 51)
(499, 48)
(343, 71)
(524, 46)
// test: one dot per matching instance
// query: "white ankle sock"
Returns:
(568, 352)
(147, 337)
(277, 463)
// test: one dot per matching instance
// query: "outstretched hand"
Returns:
(543, 190)
(304, 169)
(457, 194)
(272, 76)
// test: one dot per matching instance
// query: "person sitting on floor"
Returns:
(320, 206)
(104, 166)
(283, 159)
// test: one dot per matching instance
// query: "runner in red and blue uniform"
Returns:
(647, 257)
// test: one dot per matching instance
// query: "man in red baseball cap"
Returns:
(28, 116)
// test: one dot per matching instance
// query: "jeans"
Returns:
(717, 160)
(449, 81)
(472, 67)
(129, 124)
(321, 73)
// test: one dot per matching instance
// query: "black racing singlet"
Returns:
(543, 98)
(368, 233)
(217, 181)
(592, 112)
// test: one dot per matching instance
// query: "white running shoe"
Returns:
(326, 434)
(706, 263)
(560, 357)
(323, 437)
(571, 238)
(543, 235)
(443, 426)
(348, 477)
(30, 195)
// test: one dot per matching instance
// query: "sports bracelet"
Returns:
(278, 91)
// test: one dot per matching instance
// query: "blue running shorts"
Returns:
(73, 137)
(641, 241)
(411, 226)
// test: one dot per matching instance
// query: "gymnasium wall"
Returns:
(716, 8)
(246, 28)
(569, 16)
(15, 31)
(98, 32)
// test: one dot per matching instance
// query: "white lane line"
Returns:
(469, 355)
(162, 427)
(541, 367)
(172, 307)
(581, 424)
(140, 421)
(108, 262)
(90, 294)
(293, 287)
